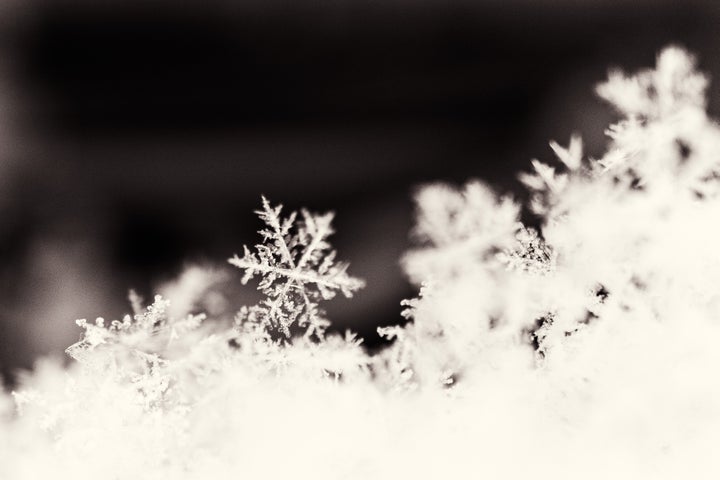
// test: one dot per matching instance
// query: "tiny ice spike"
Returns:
(298, 269)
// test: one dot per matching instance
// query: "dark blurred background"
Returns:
(137, 137)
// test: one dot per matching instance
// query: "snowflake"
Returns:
(148, 330)
(674, 85)
(298, 270)
(665, 139)
(459, 230)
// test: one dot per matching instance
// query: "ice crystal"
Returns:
(545, 184)
(530, 253)
(672, 86)
(665, 140)
(458, 228)
(140, 349)
(397, 362)
(298, 269)
(150, 330)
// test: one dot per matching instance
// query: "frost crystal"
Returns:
(298, 270)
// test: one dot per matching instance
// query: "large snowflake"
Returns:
(298, 270)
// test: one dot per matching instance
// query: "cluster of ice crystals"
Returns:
(585, 348)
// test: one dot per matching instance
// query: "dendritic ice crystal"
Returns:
(298, 269)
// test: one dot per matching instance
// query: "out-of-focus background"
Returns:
(137, 137)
